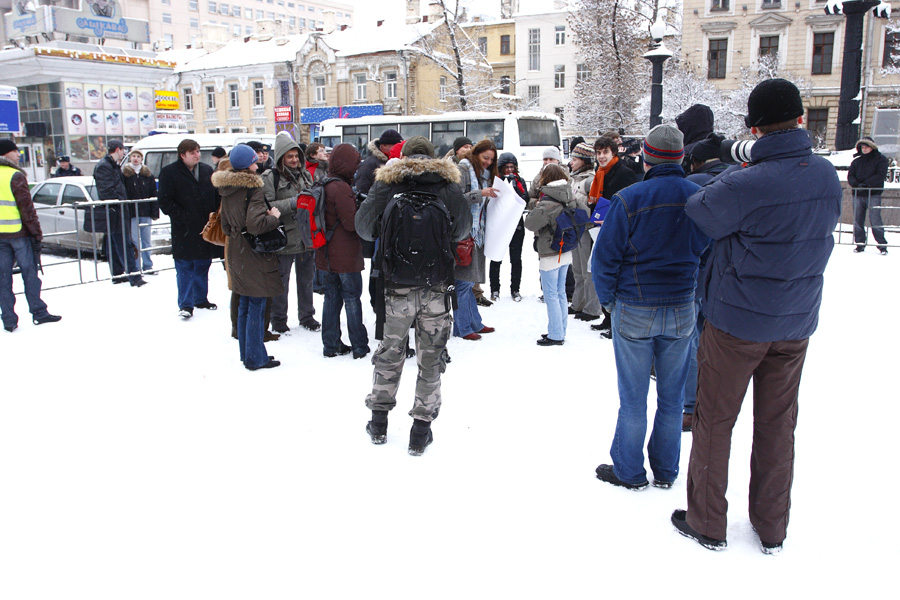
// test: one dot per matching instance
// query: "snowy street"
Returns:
(140, 460)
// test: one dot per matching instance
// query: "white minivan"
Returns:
(160, 150)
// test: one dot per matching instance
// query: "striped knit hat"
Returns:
(664, 144)
(583, 151)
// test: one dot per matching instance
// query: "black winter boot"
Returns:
(420, 437)
(377, 427)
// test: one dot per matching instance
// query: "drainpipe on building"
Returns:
(405, 81)
(867, 76)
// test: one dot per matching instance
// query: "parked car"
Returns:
(53, 200)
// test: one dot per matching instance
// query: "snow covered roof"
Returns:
(237, 53)
(390, 36)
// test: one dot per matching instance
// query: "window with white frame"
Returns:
(443, 89)
(534, 95)
(560, 112)
(259, 98)
(359, 87)
(224, 9)
(210, 97)
(195, 23)
(236, 11)
(188, 95)
(234, 96)
(236, 31)
(248, 30)
(260, 14)
(167, 2)
(248, 13)
(560, 35)
(582, 72)
(534, 49)
(482, 45)
(213, 7)
(301, 23)
(504, 84)
(319, 84)
(559, 76)
(167, 18)
(193, 5)
(390, 85)
(168, 41)
(270, 15)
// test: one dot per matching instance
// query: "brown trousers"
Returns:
(726, 365)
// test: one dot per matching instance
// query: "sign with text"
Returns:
(167, 100)
(284, 114)
(9, 109)
(96, 18)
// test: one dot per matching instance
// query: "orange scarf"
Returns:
(597, 184)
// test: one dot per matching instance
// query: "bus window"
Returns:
(480, 130)
(538, 132)
(358, 136)
(443, 134)
(408, 130)
(329, 140)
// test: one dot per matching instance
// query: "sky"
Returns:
(140, 460)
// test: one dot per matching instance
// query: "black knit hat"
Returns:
(389, 137)
(773, 101)
(460, 142)
(7, 146)
(219, 152)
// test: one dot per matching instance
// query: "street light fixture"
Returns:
(657, 55)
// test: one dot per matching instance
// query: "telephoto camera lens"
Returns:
(735, 151)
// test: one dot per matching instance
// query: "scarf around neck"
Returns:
(599, 176)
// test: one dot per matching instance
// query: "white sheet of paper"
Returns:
(503, 213)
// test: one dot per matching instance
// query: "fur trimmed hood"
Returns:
(373, 149)
(238, 179)
(414, 167)
(5, 162)
(128, 171)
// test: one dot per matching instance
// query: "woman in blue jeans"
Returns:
(477, 171)
(556, 196)
(254, 276)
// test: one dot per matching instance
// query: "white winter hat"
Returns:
(553, 152)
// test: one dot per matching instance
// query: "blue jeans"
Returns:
(192, 278)
(642, 336)
(553, 282)
(343, 290)
(141, 238)
(251, 327)
(12, 250)
(466, 318)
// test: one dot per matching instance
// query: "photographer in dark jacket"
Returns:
(116, 219)
(866, 176)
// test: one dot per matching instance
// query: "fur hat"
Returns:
(583, 151)
(552, 152)
(664, 144)
(7, 146)
(418, 145)
(242, 156)
(773, 101)
(866, 141)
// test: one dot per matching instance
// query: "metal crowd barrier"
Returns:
(878, 213)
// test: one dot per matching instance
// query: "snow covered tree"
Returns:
(612, 36)
(457, 56)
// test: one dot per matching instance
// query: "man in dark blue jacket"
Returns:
(761, 290)
(644, 268)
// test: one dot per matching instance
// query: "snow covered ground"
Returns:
(140, 460)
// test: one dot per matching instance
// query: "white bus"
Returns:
(525, 134)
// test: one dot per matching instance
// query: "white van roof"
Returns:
(206, 140)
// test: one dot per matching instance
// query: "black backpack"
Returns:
(415, 243)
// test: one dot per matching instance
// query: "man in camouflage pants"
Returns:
(428, 308)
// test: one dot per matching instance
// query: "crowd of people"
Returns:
(703, 275)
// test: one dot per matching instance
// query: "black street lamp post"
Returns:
(657, 55)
